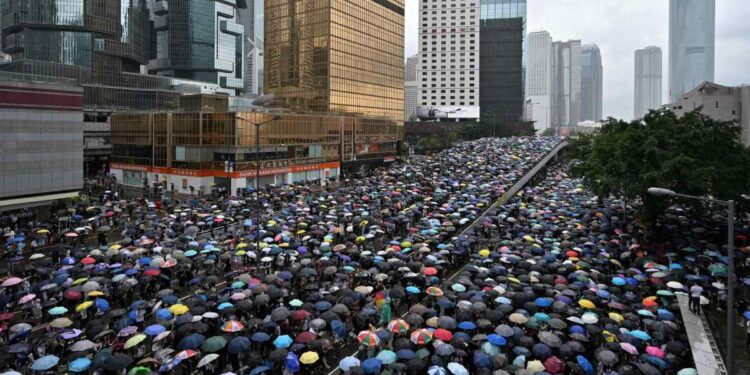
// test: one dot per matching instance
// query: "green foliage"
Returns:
(691, 155)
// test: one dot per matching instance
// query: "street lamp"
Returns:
(257, 172)
(661, 192)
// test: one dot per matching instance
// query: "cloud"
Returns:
(619, 27)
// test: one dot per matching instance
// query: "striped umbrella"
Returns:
(185, 354)
(434, 291)
(368, 338)
(398, 326)
(421, 336)
(232, 326)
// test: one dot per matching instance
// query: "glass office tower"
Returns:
(692, 26)
(336, 55)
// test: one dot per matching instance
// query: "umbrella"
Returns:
(82, 345)
(309, 358)
(372, 366)
(213, 344)
(421, 336)
(368, 338)
(387, 357)
(135, 340)
(283, 341)
(208, 358)
(457, 369)
(45, 363)
(79, 365)
(118, 362)
(347, 363)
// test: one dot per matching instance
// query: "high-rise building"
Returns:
(591, 83)
(449, 55)
(501, 58)
(251, 19)
(566, 98)
(691, 45)
(647, 93)
(199, 40)
(411, 88)
(343, 56)
(539, 80)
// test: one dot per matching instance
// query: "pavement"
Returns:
(706, 353)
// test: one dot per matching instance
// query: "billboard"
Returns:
(447, 112)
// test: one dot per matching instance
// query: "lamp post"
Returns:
(660, 192)
(257, 172)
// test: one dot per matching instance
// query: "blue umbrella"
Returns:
(68, 261)
(45, 363)
(348, 362)
(619, 281)
(283, 341)
(224, 305)
(405, 354)
(482, 360)
(640, 335)
(154, 329)
(260, 337)
(372, 366)
(497, 340)
(541, 350)
(291, 362)
(193, 341)
(101, 304)
(164, 314)
(322, 306)
(413, 290)
(585, 364)
(746, 314)
(170, 299)
(467, 326)
(543, 302)
(259, 370)
(238, 345)
(654, 360)
(190, 253)
(79, 365)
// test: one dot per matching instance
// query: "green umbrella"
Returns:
(135, 340)
(139, 371)
(214, 344)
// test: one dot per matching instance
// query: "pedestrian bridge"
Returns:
(706, 353)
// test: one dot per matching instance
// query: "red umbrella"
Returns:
(152, 272)
(73, 294)
(443, 335)
(88, 260)
(554, 365)
(7, 316)
(300, 315)
(430, 271)
(304, 337)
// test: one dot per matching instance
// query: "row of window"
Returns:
(451, 103)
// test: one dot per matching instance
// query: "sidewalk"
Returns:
(706, 354)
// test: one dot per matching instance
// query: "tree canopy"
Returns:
(693, 155)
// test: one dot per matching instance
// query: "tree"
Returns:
(693, 155)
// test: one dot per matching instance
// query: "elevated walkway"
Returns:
(706, 353)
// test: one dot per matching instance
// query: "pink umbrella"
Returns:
(629, 348)
(27, 298)
(11, 281)
(238, 296)
(654, 351)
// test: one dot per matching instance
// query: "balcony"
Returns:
(230, 27)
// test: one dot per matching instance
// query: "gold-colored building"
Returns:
(342, 56)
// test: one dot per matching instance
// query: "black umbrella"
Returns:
(118, 362)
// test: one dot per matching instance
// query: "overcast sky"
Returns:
(619, 27)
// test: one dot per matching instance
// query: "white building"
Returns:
(566, 98)
(722, 103)
(252, 20)
(539, 83)
(647, 93)
(691, 45)
(411, 88)
(448, 68)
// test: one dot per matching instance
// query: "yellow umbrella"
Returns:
(271, 222)
(529, 238)
(361, 239)
(284, 245)
(42, 231)
(116, 247)
(309, 358)
(84, 306)
(586, 304)
(240, 253)
(135, 340)
(95, 293)
(514, 280)
(484, 252)
(241, 245)
(301, 231)
(609, 336)
(80, 281)
(617, 317)
(178, 309)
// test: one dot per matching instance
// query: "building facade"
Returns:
(566, 98)
(411, 88)
(448, 65)
(591, 83)
(647, 87)
(692, 25)
(539, 80)
(336, 55)
(201, 41)
(502, 34)
(191, 151)
(722, 103)
(41, 133)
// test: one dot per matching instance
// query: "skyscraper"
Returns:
(591, 83)
(251, 19)
(501, 58)
(411, 88)
(199, 40)
(647, 93)
(539, 80)
(336, 55)
(566, 98)
(691, 45)
(449, 54)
